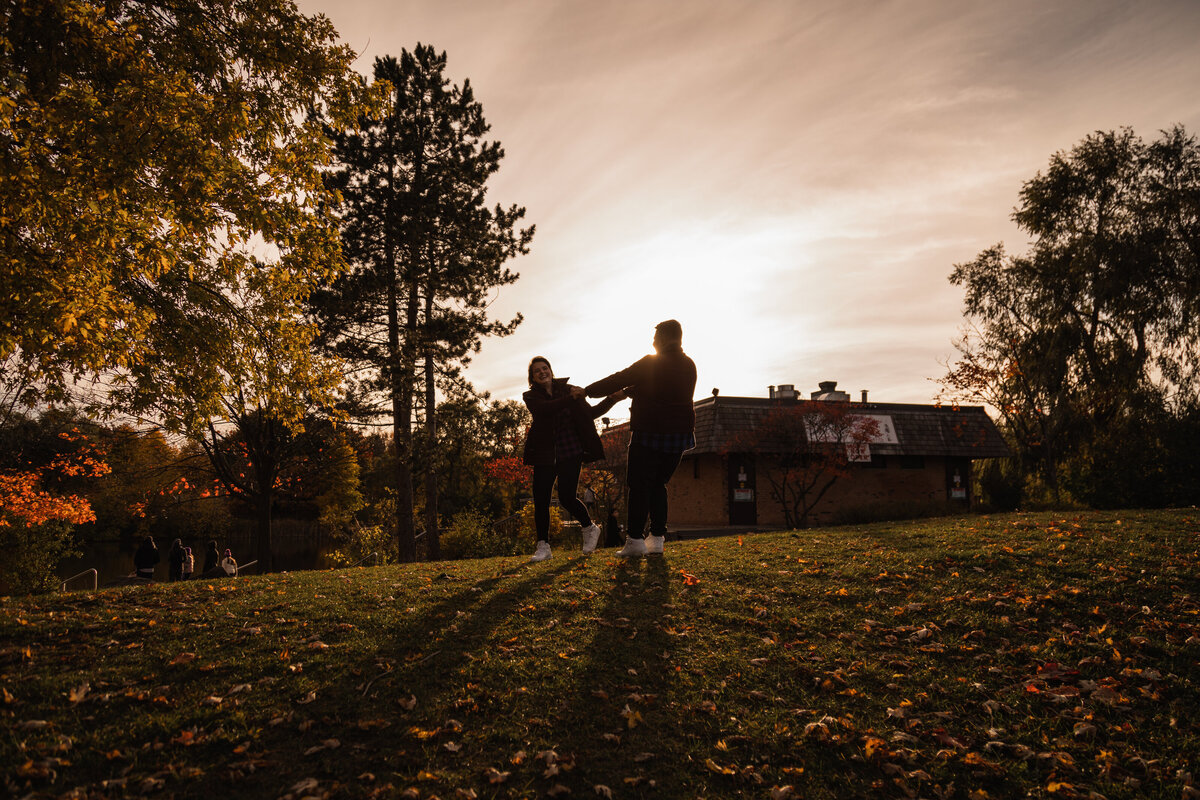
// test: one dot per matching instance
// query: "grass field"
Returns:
(1025, 655)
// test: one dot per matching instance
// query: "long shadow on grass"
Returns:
(417, 705)
(612, 724)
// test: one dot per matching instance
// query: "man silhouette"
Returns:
(662, 425)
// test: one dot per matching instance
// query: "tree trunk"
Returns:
(402, 435)
(401, 384)
(431, 492)
(401, 390)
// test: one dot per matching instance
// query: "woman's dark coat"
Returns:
(212, 557)
(146, 556)
(539, 444)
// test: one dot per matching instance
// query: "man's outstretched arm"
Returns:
(626, 378)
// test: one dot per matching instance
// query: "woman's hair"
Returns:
(534, 360)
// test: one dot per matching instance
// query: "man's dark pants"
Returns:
(649, 471)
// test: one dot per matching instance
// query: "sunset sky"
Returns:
(793, 181)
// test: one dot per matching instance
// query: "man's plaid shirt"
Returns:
(664, 442)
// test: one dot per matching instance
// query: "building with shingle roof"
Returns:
(918, 461)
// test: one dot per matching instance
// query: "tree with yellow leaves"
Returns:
(160, 165)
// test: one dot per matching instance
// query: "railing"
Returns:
(95, 579)
(505, 526)
(364, 558)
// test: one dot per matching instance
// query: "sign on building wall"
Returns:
(859, 451)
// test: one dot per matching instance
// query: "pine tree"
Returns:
(425, 253)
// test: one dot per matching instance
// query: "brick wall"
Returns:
(699, 491)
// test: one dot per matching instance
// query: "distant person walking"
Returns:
(662, 425)
(562, 437)
(189, 563)
(229, 563)
(145, 559)
(212, 559)
(175, 559)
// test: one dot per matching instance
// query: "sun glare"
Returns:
(713, 283)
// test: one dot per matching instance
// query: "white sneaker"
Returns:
(591, 537)
(542, 552)
(632, 548)
(654, 544)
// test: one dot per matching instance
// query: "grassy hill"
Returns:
(1044, 655)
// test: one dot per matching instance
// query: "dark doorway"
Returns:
(958, 481)
(743, 497)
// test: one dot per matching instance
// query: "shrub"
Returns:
(471, 534)
(31, 555)
(361, 542)
(1000, 484)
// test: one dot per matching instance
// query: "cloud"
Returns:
(793, 181)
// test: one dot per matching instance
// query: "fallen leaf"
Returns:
(494, 775)
(874, 746)
(714, 767)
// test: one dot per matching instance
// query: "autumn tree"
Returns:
(136, 494)
(160, 159)
(48, 461)
(472, 430)
(804, 449)
(1086, 338)
(260, 460)
(425, 253)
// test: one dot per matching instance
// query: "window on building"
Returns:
(912, 462)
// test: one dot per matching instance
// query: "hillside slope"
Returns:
(1009, 656)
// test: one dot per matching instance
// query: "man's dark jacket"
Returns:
(661, 388)
(539, 444)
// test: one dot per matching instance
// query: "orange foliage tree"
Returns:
(39, 506)
(27, 496)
